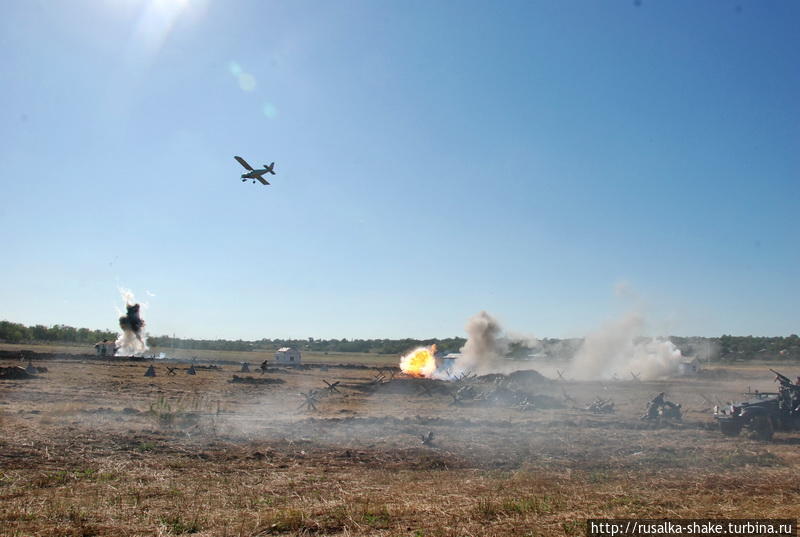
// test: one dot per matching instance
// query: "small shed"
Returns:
(105, 348)
(448, 361)
(689, 367)
(287, 355)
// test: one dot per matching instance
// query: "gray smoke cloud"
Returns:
(526, 340)
(618, 349)
(486, 345)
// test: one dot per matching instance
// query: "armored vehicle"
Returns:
(764, 412)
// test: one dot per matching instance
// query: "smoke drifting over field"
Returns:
(616, 349)
(132, 340)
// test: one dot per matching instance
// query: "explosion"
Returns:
(420, 362)
(132, 339)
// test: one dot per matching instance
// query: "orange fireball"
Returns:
(420, 362)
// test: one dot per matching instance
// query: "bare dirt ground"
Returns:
(96, 448)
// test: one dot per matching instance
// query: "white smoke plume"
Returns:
(618, 349)
(486, 345)
(132, 340)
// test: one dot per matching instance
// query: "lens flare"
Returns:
(269, 110)
(247, 82)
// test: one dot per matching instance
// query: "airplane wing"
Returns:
(263, 181)
(244, 163)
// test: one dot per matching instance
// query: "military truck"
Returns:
(764, 412)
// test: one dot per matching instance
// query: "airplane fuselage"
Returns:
(255, 175)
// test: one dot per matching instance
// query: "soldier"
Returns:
(795, 396)
(671, 410)
(653, 407)
(789, 397)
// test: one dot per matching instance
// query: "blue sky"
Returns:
(434, 159)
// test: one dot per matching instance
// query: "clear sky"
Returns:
(434, 159)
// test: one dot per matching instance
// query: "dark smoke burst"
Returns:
(131, 321)
(132, 341)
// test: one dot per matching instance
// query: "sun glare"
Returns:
(170, 3)
(155, 23)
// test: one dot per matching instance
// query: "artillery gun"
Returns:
(764, 412)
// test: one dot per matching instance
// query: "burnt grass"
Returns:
(98, 449)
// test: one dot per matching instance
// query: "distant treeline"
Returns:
(733, 347)
(724, 348)
(58, 333)
(728, 348)
(380, 346)
(19, 333)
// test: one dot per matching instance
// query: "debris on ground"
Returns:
(254, 380)
(332, 387)
(402, 385)
(310, 402)
(567, 397)
(502, 395)
(15, 373)
(601, 406)
(495, 389)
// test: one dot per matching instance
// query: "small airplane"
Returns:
(255, 175)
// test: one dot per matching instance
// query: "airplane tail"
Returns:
(269, 168)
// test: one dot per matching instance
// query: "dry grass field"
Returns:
(95, 448)
(254, 357)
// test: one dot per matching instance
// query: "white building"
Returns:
(105, 348)
(287, 355)
(689, 367)
(448, 361)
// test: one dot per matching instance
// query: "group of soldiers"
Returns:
(789, 393)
